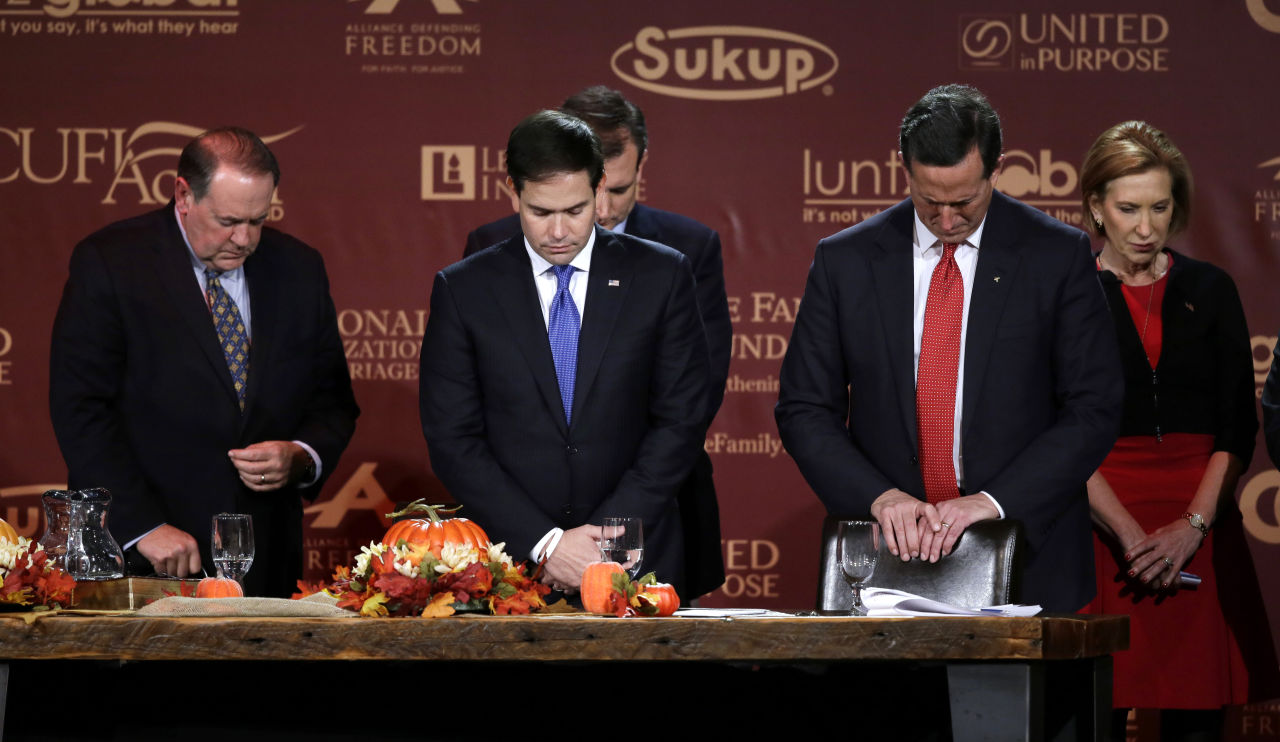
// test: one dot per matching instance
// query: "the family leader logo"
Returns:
(385, 7)
(1262, 16)
(723, 62)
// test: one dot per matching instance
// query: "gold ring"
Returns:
(262, 479)
(946, 525)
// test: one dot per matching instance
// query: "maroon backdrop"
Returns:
(774, 123)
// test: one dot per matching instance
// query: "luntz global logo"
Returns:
(724, 63)
(135, 166)
(843, 192)
(1064, 42)
(1262, 16)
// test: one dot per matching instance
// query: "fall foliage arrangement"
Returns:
(433, 567)
(30, 579)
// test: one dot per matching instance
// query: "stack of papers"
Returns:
(882, 601)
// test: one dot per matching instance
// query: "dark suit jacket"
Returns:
(491, 409)
(701, 245)
(142, 402)
(1042, 382)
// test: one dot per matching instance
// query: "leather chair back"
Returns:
(983, 569)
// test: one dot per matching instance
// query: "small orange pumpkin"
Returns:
(219, 587)
(430, 534)
(7, 533)
(598, 586)
(661, 596)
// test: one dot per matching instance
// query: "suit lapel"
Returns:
(893, 273)
(640, 223)
(514, 293)
(997, 259)
(177, 277)
(265, 321)
(608, 283)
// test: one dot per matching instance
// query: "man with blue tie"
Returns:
(564, 370)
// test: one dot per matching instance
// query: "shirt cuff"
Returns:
(315, 457)
(134, 542)
(993, 500)
(546, 545)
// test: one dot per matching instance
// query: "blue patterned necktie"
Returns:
(232, 334)
(562, 331)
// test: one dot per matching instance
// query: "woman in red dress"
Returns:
(1186, 435)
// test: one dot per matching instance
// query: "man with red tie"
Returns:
(953, 361)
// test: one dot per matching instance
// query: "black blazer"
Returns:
(1042, 381)
(142, 401)
(491, 409)
(701, 245)
(1204, 377)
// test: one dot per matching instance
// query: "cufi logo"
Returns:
(723, 62)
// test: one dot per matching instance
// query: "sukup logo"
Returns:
(385, 7)
(723, 62)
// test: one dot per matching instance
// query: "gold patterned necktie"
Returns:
(233, 336)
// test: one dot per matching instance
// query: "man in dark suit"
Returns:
(197, 368)
(953, 361)
(620, 125)
(564, 370)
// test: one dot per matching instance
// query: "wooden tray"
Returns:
(128, 593)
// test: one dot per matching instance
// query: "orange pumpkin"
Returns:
(430, 534)
(219, 587)
(661, 597)
(7, 533)
(598, 586)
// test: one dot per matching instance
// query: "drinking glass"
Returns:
(233, 545)
(627, 547)
(859, 548)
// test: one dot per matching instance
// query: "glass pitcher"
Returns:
(57, 521)
(92, 554)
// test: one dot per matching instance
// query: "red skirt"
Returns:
(1181, 652)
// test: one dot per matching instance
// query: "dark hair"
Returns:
(228, 145)
(948, 122)
(612, 117)
(550, 142)
(1128, 149)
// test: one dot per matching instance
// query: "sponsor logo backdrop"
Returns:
(774, 124)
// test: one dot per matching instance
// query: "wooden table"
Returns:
(992, 663)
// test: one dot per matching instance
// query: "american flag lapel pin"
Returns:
(614, 282)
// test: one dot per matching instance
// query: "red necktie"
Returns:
(936, 377)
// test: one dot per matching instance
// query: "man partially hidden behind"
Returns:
(564, 370)
(953, 361)
(197, 369)
(624, 138)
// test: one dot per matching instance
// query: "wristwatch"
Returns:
(1197, 522)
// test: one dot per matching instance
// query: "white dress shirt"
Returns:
(544, 280)
(926, 253)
